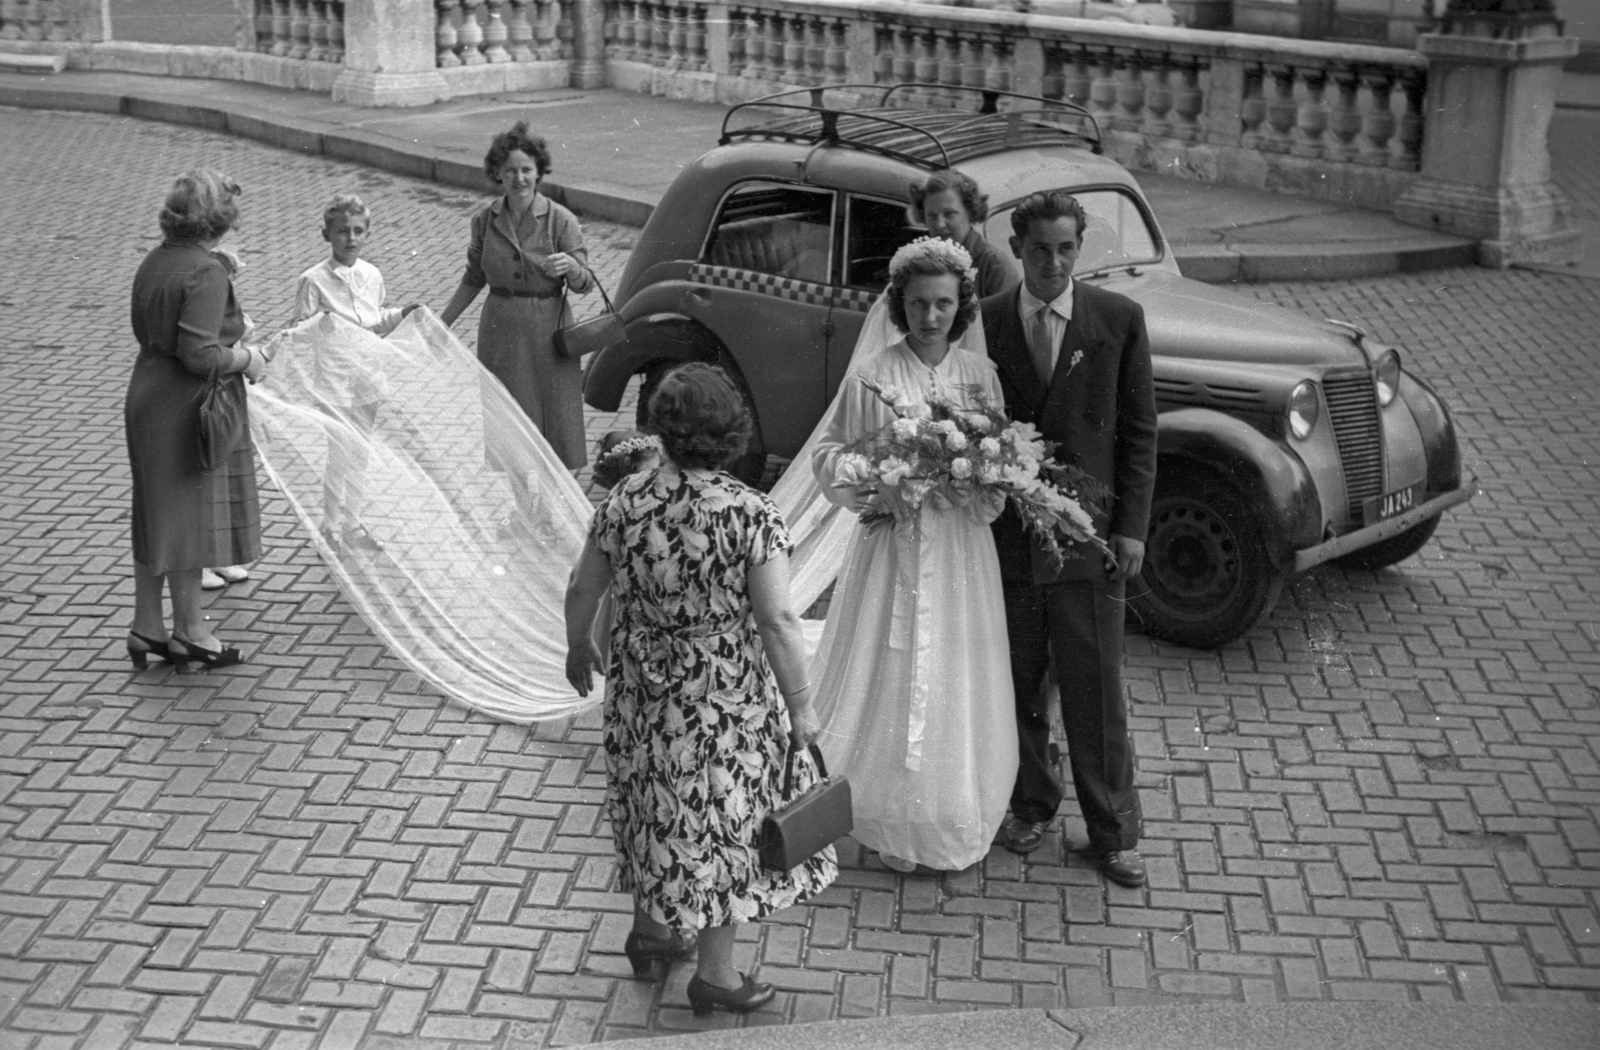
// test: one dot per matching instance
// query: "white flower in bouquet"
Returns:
(854, 469)
(989, 447)
(988, 473)
(893, 471)
(905, 429)
(961, 467)
(979, 422)
(955, 440)
(1075, 519)
(907, 407)
(916, 491)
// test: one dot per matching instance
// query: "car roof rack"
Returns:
(928, 138)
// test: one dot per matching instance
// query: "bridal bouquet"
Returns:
(951, 455)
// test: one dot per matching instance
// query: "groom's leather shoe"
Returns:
(1022, 836)
(1122, 866)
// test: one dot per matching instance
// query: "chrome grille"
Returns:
(1353, 410)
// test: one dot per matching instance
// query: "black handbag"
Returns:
(809, 824)
(581, 338)
(223, 416)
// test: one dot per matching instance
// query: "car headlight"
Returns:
(1304, 406)
(1386, 376)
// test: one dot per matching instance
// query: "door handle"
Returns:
(698, 296)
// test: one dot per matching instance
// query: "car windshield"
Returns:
(1118, 233)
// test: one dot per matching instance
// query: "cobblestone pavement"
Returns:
(1390, 790)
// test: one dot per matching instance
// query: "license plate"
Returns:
(1391, 503)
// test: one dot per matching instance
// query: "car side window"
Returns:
(770, 227)
(1117, 233)
(877, 230)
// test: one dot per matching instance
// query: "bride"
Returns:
(913, 679)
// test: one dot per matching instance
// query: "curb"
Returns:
(1215, 264)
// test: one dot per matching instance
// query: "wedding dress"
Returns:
(912, 677)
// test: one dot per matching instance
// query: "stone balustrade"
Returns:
(490, 32)
(1341, 122)
(312, 30)
(49, 21)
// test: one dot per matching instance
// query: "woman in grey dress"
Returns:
(527, 249)
(188, 323)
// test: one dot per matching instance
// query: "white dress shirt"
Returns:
(1058, 313)
(354, 292)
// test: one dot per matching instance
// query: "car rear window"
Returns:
(877, 230)
(1118, 233)
(769, 227)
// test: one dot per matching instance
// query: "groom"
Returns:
(1074, 360)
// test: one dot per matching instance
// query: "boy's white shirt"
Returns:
(354, 292)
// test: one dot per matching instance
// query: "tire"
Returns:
(748, 468)
(1393, 550)
(1207, 576)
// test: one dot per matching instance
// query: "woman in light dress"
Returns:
(913, 674)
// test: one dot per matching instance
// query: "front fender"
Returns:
(1272, 478)
(1438, 433)
(652, 338)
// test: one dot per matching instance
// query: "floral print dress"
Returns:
(696, 734)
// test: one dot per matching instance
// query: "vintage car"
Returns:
(1284, 441)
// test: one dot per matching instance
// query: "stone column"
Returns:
(1485, 170)
(588, 43)
(389, 54)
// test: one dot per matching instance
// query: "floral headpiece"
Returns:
(945, 251)
(628, 446)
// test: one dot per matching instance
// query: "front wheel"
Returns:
(748, 468)
(1207, 576)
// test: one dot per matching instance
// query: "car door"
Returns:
(763, 285)
(875, 228)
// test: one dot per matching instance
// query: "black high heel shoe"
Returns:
(208, 658)
(705, 997)
(151, 647)
(650, 956)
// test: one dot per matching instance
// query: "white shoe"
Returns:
(210, 581)
(234, 573)
(900, 864)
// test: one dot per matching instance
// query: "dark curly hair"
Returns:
(928, 266)
(200, 206)
(507, 142)
(1047, 207)
(609, 469)
(700, 416)
(976, 203)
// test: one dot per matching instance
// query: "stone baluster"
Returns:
(905, 56)
(1103, 88)
(997, 72)
(300, 29)
(925, 70)
(1130, 92)
(1157, 97)
(972, 63)
(519, 33)
(445, 36)
(319, 31)
(282, 40)
(836, 57)
(1188, 102)
(950, 68)
(677, 38)
(1408, 133)
(1344, 120)
(777, 39)
(627, 15)
(1377, 119)
(1281, 111)
(494, 34)
(564, 28)
(1053, 81)
(755, 46)
(1077, 77)
(699, 56)
(469, 37)
(545, 45)
(608, 28)
(738, 30)
(794, 50)
(816, 50)
(882, 54)
(656, 25)
(11, 21)
(336, 31)
(1253, 107)
(263, 24)
(1311, 116)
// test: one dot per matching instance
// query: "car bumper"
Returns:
(1352, 541)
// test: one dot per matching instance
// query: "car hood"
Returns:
(1189, 319)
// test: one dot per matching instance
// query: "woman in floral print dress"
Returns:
(703, 644)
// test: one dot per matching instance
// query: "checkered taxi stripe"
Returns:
(782, 287)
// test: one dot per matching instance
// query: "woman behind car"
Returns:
(703, 644)
(949, 204)
(188, 324)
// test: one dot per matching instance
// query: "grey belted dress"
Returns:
(523, 311)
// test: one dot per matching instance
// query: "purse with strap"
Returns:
(223, 416)
(809, 824)
(581, 338)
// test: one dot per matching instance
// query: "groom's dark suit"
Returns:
(1102, 412)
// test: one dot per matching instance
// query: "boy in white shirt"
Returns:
(349, 287)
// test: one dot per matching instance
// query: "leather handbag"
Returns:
(223, 416)
(581, 338)
(809, 824)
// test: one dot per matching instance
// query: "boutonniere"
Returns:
(1072, 362)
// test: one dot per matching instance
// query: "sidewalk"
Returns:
(639, 143)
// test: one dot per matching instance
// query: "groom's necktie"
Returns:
(1040, 343)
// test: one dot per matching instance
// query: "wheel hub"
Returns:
(1194, 556)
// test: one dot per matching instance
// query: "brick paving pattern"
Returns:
(1390, 790)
